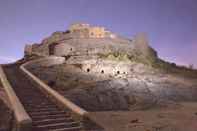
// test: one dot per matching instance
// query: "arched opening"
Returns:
(118, 72)
(52, 48)
(88, 70)
(67, 57)
(68, 31)
(102, 71)
(71, 49)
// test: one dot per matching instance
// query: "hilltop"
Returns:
(84, 42)
(105, 71)
(115, 78)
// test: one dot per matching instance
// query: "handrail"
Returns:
(23, 121)
(59, 98)
(77, 112)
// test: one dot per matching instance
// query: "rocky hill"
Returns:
(112, 73)
(77, 43)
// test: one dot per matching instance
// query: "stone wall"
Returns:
(28, 50)
(63, 49)
(40, 49)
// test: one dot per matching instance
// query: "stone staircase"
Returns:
(46, 116)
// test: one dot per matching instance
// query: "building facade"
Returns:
(87, 31)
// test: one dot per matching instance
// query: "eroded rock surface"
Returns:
(140, 90)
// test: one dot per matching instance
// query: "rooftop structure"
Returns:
(87, 31)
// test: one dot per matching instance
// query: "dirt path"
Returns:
(180, 119)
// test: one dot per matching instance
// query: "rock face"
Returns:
(143, 88)
(110, 73)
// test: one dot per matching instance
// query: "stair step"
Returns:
(78, 128)
(50, 116)
(42, 109)
(58, 125)
(40, 103)
(46, 113)
(39, 106)
(50, 121)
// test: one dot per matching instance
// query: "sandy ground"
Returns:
(179, 119)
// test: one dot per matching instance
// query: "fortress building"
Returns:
(86, 31)
(86, 40)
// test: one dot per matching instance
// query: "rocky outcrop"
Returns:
(68, 43)
(105, 73)
(144, 88)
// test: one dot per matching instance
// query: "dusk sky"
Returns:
(170, 24)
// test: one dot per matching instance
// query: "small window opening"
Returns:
(102, 71)
(88, 70)
(118, 72)
(71, 49)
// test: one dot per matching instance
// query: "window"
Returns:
(102, 71)
(88, 70)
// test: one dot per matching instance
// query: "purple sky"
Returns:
(170, 24)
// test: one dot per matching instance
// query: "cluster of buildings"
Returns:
(87, 31)
(86, 40)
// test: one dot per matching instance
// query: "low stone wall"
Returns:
(23, 121)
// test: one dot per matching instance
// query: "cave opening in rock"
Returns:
(118, 72)
(88, 70)
(102, 71)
